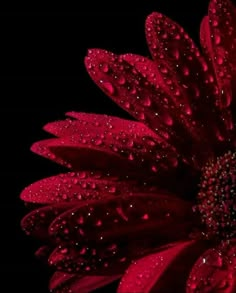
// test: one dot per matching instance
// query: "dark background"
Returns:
(43, 76)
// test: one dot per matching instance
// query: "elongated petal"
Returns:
(222, 19)
(104, 236)
(79, 186)
(78, 154)
(214, 271)
(128, 84)
(36, 223)
(43, 252)
(180, 61)
(109, 151)
(153, 272)
(97, 123)
(118, 216)
(205, 37)
(73, 283)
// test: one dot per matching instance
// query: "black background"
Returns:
(43, 76)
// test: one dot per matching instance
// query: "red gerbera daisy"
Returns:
(126, 208)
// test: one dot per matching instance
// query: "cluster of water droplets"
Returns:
(214, 271)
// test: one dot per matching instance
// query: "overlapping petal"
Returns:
(80, 186)
(214, 271)
(104, 236)
(164, 271)
(125, 148)
(73, 283)
(130, 88)
(186, 75)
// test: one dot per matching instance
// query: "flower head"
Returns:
(150, 200)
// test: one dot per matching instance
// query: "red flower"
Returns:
(153, 197)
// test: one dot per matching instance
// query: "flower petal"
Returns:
(96, 123)
(221, 20)
(104, 236)
(63, 283)
(128, 85)
(116, 216)
(152, 273)
(79, 186)
(214, 271)
(43, 252)
(109, 151)
(36, 223)
(205, 37)
(184, 71)
(73, 152)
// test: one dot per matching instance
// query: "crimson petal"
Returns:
(214, 271)
(102, 237)
(78, 186)
(142, 275)
(222, 19)
(73, 152)
(164, 271)
(185, 72)
(63, 283)
(128, 148)
(117, 216)
(96, 123)
(36, 223)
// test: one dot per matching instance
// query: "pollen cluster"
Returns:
(217, 197)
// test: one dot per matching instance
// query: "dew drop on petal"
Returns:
(217, 39)
(146, 102)
(104, 67)
(108, 87)
(121, 80)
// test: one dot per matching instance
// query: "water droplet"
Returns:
(217, 39)
(146, 102)
(167, 119)
(215, 23)
(108, 87)
(145, 217)
(131, 157)
(64, 251)
(112, 189)
(104, 67)
(141, 116)
(98, 142)
(154, 168)
(98, 223)
(127, 105)
(121, 80)
(185, 70)
(219, 60)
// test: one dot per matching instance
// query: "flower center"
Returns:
(217, 197)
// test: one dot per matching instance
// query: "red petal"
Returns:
(78, 187)
(144, 273)
(214, 271)
(93, 258)
(64, 283)
(129, 148)
(223, 44)
(116, 216)
(205, 37)
(99, 124)
(36, 223)
(43, 253)
(131, 90)
(184, 71)
(78, 154)
(104, 236)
